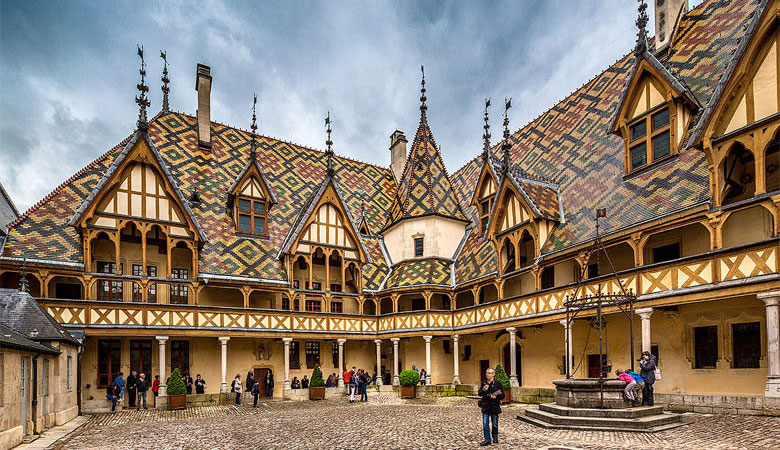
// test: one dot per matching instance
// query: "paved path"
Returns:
(389, 423)
(50, 437)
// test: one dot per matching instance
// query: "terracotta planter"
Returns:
(178, 401)
(408, 391)
(507, 396)
(317, 393)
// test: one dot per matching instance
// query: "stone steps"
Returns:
(625, 413)
(643, 419)
(545, 425)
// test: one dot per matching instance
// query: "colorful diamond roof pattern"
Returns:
(420, 272)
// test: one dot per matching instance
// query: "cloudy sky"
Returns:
(69, 69)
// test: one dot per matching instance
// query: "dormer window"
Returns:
(252, 215)
(485, 206)
(648, 147)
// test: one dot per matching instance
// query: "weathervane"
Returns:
(486, 136)
(329, 144)
(141, 100)
(506, 146)
(165, 80)
(423, 98)
(641, 24)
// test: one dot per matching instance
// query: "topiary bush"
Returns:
(316, 377)
(176, 384)
(409, 377)
(501, 376)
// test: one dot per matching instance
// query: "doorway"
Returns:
(594, 367)
(260, 380)
(484, 365)
(508, 360)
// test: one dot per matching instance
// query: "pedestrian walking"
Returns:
(112, 393)
(647, 365)
(131, 379)
(156, 389)
(200, 385)
(269, 384)
(141, 386)
(492, 393)
(236, 388)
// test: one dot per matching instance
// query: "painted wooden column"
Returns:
(161, 340)
(143, 251)
(512, 358)
(327, 271)
(568, 347)
(772, 302)
(455, 359)
(378, 361)
(428, 359)
(341, 362)
(395, 341)
(223, 386)
(287, 362)
(645, 314)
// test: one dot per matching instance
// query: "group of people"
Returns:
(639, 386)
(423, 375)
(136, 384)
(253, 386)
(357, 381)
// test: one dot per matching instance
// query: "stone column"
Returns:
(455, 359)
(512, 358)
(161, 340)
(395, 341)
(341, 362)
(568, 346)
(772, 301)
(287, 362)
(223, 386)
(427, 359)
(378, 361)
(645, 314)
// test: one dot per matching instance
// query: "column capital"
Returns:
(645, 313)
(564, 323)
(287, 340)
(378, 341)
(161, 339)
(427, 338)
(223, 340)
(770, 298)
(455, 337)
(341, 341)
(511, 330)
(395, 340)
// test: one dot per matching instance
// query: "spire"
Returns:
(423, 98)
(641, 24)
(24, 285)
(506, 145)
(329, 144)
(486, 136)
(141, 100)
(253, 148)
(165, 80)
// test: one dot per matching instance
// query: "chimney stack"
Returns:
(203, 86)
(667, 17)
(397, 154)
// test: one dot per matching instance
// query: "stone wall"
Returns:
(720, 404)
(533, 395)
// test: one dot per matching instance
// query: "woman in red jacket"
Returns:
(156, 388)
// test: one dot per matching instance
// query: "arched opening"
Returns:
(737, 175)
(352, 278)
(262, 300)
(507, 255)
(386, 305)
(318, 270)
(746, 226)
(560, 274)
(219, 296)
(526, 250)
(464, 299)
(693, 239)
(772, 164)
(334, 265)
(103, 254)
(621, 255)
(300, 273)
(156, 253)
(440, 302)
(66, 287)
(488, 293)
(518, 361)
(519, 284)
(411, 302)
(11, 280)
(369, 307)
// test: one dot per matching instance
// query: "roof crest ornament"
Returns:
(486, 136)
(329, 144)
(24, 285)
(253, 147)
(141, 99)
(506, 146)
(165, 80)
(641, 24)
(423, 99)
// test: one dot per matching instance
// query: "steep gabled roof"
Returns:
(425, 188)
(21, 312)
(420, 272)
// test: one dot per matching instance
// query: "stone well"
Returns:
(591, 393)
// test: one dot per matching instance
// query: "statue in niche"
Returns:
(261, 352)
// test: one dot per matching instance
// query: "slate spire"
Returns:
(641, 24)
(141, 99)
(506, 146)
(165, 80)
(486, 135)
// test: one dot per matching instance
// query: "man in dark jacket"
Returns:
(492, 393)
(141, 386)
(131, 379)
(647, 365)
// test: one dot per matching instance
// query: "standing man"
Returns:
(141, 386)
(269, 384)
(131, 379)
(492, 393)
(647, 365)
(200, 385)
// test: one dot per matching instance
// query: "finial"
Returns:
(165, 80)
(486, 136)
(641, 24)
(253, 148)
(141, 100)
(329, 144)
(24, 285)
(423, 98)
(506, 145)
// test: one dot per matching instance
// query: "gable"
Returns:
(513, 211)
(648, 95)
(486, 184)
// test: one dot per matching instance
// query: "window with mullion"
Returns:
(252, 216)
(484, 213)
(647, 147)
(179, 292)
(312, 354)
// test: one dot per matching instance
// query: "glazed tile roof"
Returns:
(416, 272)
(425, 188)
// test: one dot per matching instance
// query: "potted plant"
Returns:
(316, 384)
(408, 380)
(177, 393)
(503, 378)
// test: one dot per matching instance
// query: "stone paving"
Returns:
(387, 422)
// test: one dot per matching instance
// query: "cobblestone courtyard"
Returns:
(387, 422)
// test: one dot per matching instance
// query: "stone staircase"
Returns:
(645, 419)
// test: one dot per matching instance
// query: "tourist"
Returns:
(364, 380)
(295, 383)
(255, 393)
(345, 377)
(373, 378)
(352, 386)
(269, 384)
(492, 393)
(414, 368)
(131, 379)
(630, 384)
(188, 382)
(141, 386)
(422, 377)
(250, 380)
(638, 387)
(305, 382)
(236, 387)
(329, 381)
(120, 382)
(112, 393)
(647, 365)
(156, 389)
(200, 385)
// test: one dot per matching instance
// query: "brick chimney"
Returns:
(397, 154)
(667, 17)
(203, 86)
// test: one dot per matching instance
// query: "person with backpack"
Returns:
(141, 387)
(491, 393)
(364, 380)
(236, 387)
(637, 388)
(628, 391)
(647, 365)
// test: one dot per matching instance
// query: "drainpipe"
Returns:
(78, 377)
(35, 393)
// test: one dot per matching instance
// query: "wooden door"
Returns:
(260, 380)
(484, 365)
(594, 367)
